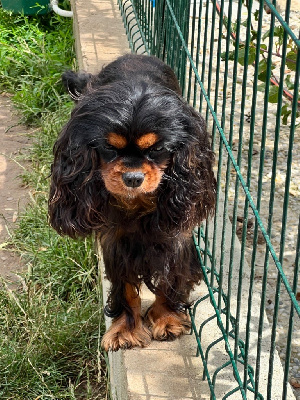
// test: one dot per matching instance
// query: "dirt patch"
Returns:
(14, 196)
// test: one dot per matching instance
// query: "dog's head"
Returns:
(129, 142)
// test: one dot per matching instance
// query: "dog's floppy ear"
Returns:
(77, 192)
(75, 83)
(187, 195)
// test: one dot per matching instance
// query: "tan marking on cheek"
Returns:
(147, 140)
(117, 141)
(112, 176)
(153, 175)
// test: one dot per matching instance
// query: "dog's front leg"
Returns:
(122, 334)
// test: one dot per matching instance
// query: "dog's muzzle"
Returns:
(133, 179)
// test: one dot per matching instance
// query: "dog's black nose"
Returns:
(133, 179)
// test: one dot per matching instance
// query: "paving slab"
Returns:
(100, 35)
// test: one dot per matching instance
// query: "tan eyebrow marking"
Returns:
(147, 140)
(116, 140)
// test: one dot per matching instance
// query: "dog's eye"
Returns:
(108, 146)
(109, 152)
(156, 150)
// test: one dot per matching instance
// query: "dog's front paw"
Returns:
(120, 337)
(167, 324)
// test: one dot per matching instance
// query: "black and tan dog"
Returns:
(134, 165)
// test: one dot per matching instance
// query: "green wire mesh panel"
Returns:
(239, 64)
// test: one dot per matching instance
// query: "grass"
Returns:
(33, 53)
(51, 326)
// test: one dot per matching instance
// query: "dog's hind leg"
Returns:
(166, 323)
(124, 332)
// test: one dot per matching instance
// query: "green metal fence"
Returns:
(238, 63)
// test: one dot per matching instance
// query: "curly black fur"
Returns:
(133, 96)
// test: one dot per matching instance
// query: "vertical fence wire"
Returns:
(238, 64)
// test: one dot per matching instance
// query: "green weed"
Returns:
(33, 53)
(51, 327)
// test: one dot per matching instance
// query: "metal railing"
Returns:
(238, 63)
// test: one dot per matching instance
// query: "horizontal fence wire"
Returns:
(238, 64)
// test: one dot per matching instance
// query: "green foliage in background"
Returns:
(51, 321)
(290, 62)
(33, 53)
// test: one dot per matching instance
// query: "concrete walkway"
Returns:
(99, 33)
